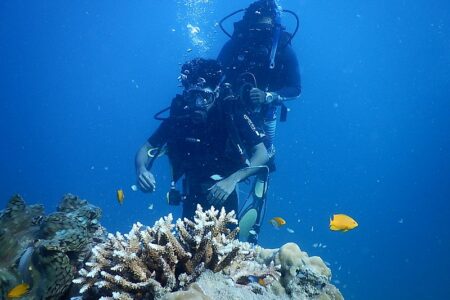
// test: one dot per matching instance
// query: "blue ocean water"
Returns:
(369, 136)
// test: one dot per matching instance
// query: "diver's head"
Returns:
(199, 101)
(200, 78)
(201, 73)
(200, 98)
(261, 18)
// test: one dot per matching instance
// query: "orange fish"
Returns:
(261, 281)
(277, 222)
(120, 196)
(18, 291)
(341, 222)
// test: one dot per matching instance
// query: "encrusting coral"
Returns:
(43, 251)
(151, 261)
(65, 240)
(302, 276)
(20, 221)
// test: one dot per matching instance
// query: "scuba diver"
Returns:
(263, 70)
(211, 143)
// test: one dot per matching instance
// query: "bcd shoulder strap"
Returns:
(230, 108)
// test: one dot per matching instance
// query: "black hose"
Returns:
(157, 115)
(296, 26)
(226, 17)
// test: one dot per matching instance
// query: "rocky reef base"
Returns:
(69, 255)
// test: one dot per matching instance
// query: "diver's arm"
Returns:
(143, 160)
(222, 189)
(258, 159)
(291, 78)
(146, 180)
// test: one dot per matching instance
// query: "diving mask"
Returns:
(263, 23)
(200, 98)
(260, 33)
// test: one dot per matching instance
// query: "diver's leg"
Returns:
(252, 216)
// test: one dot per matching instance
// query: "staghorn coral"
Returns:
(149, 262)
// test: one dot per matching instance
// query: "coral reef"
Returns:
(21, 222)
(218, 286)
(152, 261)
(195, 292)
(45, 250)
(302, 277)
(200, 259)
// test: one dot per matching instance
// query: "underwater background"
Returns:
(369, 136)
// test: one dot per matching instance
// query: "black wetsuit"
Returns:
(200, 150)
(240, 54)
(245, 53)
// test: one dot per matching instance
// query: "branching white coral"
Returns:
(151, 261)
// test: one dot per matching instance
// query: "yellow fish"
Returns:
(18, 291)
(261, 281)
(120, 196)
(341, 222)
(277, 222)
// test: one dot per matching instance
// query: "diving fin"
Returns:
(246, 223)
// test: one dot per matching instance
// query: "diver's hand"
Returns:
(146, 181)
(257, 96)
(220, 191)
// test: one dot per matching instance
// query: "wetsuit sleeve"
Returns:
(250, 135)
(160, 136)
(290, 76)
